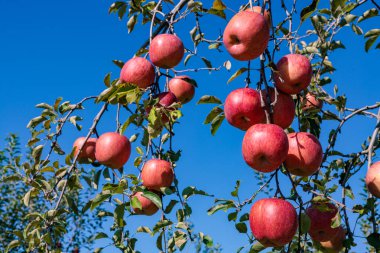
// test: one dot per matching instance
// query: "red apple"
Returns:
(312, 102)
(183, 88)
(335, 245)
(147, 206)
(87, 153)
(305, 154)
(321, 217)
(273, 222)
(243, 108)
(265, 147)
(138, 71)
(166, 51)
(112, 150)
(166, 99)
(293, 73)
(157, 173)
(372, 179)
(246, 35)
(257, 9)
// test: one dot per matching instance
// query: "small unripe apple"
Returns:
(335, 244)
(293, 73)
(88, 151)
(112, 150)
(305, 154)
(258, 9)
(273, 222)
(321, 217)
(147, 206)
(372, 179)
(183, 88)
(157, 173)
(138, 71)
(166, 51)
(265, 147)
(243, 108)
(311, 102)
(246, 35)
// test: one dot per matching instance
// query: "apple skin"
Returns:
(147, 206)
(88, 151)
(246, 35)
(157, 173)
(242, 108)
(138, 71)
(294, 73)
(273, 222)
(257, 9)
(265, 147)
(305, 154)
(166, 51)
(320, 221)
(335, 245)
(372, 179)
(182, 88)
(112, 150)
(311, 102)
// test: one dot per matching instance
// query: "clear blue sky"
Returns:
(50, 49)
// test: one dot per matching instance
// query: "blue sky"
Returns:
(50, 49)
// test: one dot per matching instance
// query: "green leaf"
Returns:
(370, 42)
(191, 190)
(307, 11)
(13, 244)
(36, 121)
(371, 33)
(374, 240)
(107, 80)
(218, 13)
(100, 198)
(119, 215)
(118, 63)
(207, 62)
(154, 198)
(235, 192)
(368, 14)
(218, 5)
(357, 29)
(136, 204)
(256, 248)
(100, 235)
(143, 229)
(26, 198)
(349, 192)
(162, 224)
(215, 124)
(207, 99)
(131, 23)
(236, 74)
(170, 206)
(213, 113)
(305, 223)
(336, 221)
(241, 227)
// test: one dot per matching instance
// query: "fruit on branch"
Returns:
(265, 147)
(273, 222)
(183, 87)
(372, 179)
(87, 153)
(284, 108)
(335, 244)
(305, 154)
(138, 71)
(321, 218)
(293, 73)
(266, 13)
(246, 35)
(157, 173)
(166, 51)
(165, 100)
(242, 108)
(311, 102)
(147, 206)
(112, 150)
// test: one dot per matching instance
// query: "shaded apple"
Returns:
(293, 73)
(246, 35)
(183, 88)
(87, 153)
(242, 108)
(112, 150)
(321, 217)
(138, 71)
(157, 173)
(305, 154)
(311, 102)
(372, 179)
(147, 206)
(335, 245)
(273, 222)
(166, 51)
(265, 147)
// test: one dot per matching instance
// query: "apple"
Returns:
(183, 88)
(273, 222)
(246, 35)
(335, 245)
(166, 51)
(321, 217)
(87, 153)
(293, 73)
(157, 173)
(166, 99)
(265, 147)
(243, 109)
(258, 9)
(147, 206)
(312, 102)
(113, 150)
(138, 71)
(372, 179)
(305, 154)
